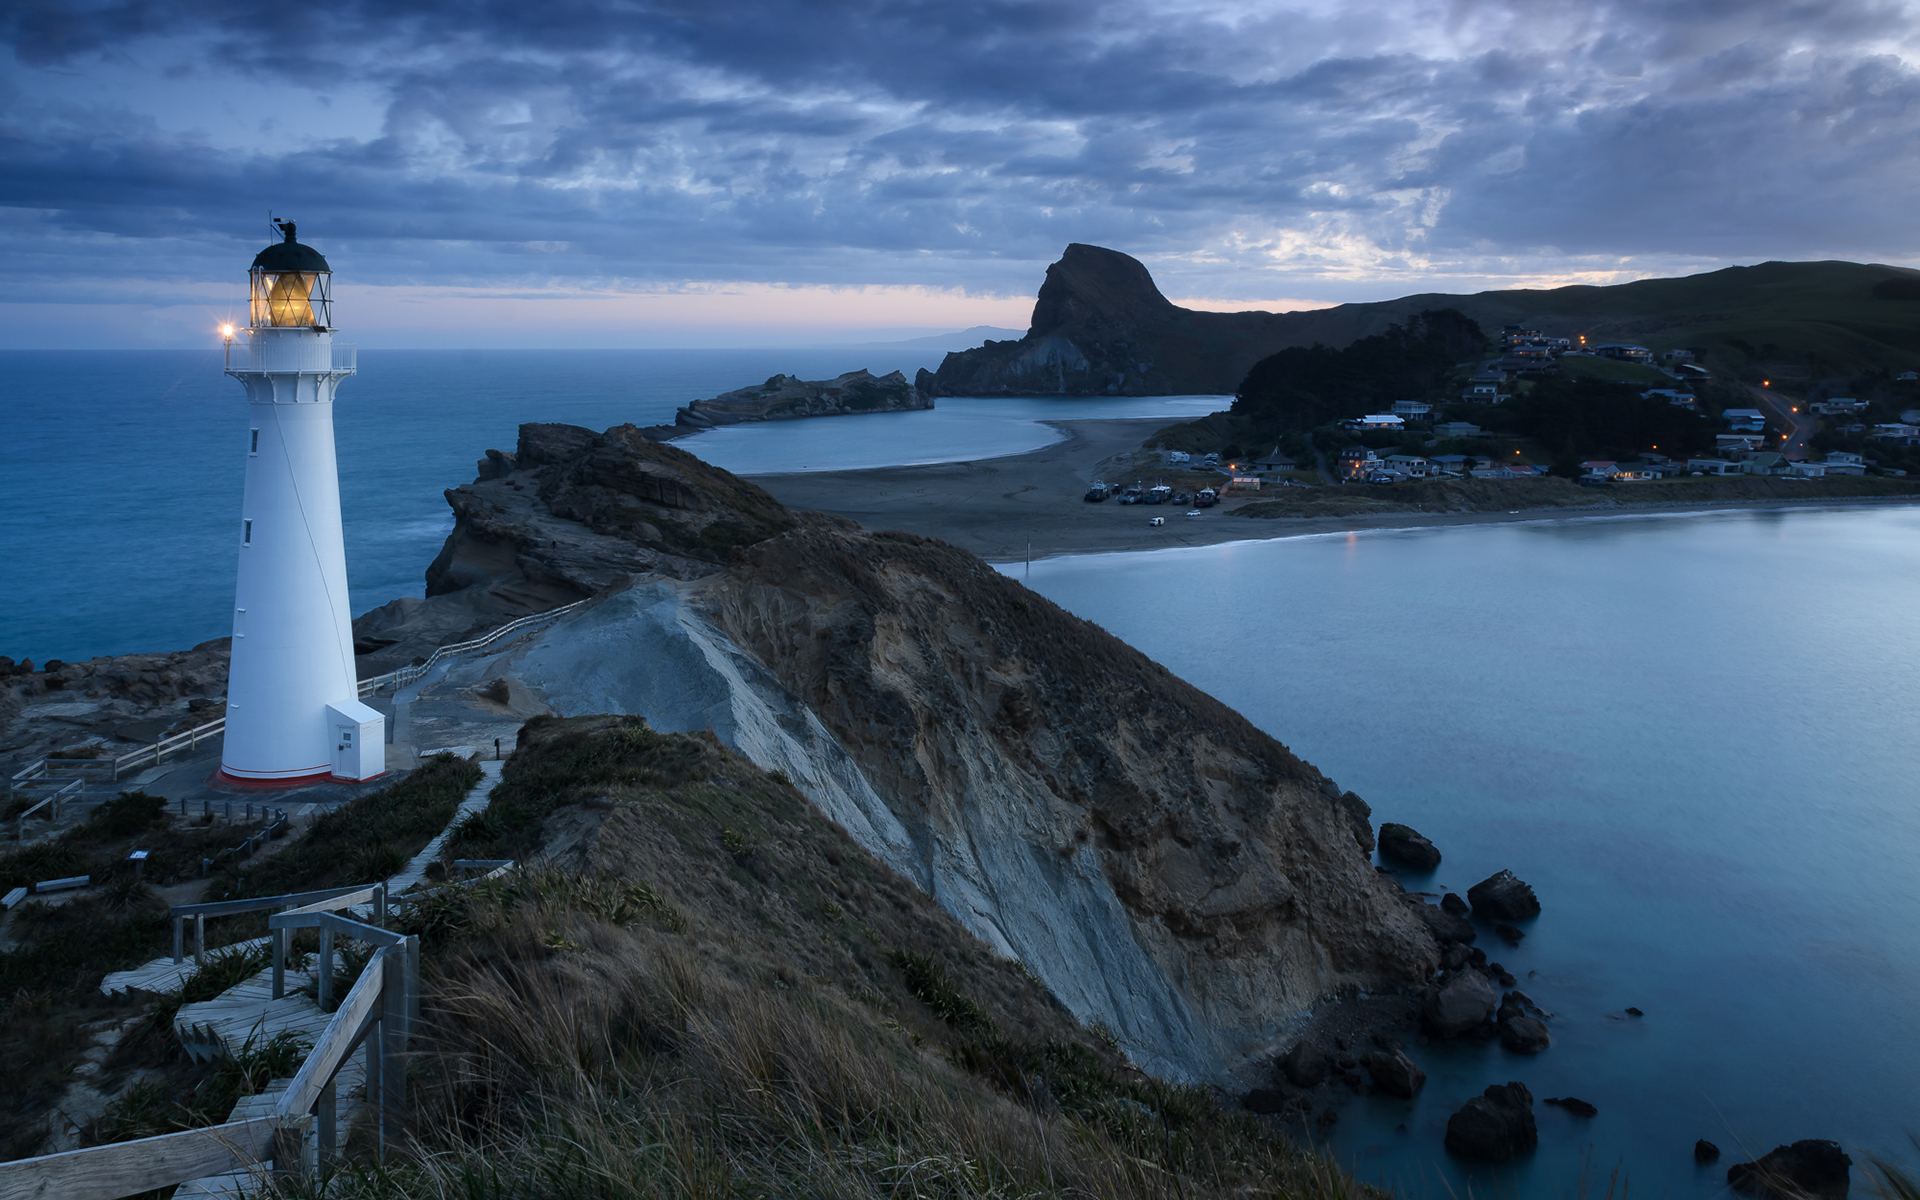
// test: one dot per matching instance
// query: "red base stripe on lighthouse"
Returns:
(242, 783)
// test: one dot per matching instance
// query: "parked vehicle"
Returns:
(1194, 512)
(1132, 496)
(1095, 494)
(1157, 521)
(1159, 495)
(1206, 498)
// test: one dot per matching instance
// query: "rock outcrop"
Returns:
(1810, 1169)
(1494, 1126)
(788, 397)
(567, 514)
(1101, 327)
(1503, 895)
(1406, 845)
(1394, 1073)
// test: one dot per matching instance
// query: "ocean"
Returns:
(120, 502)
(1693, 735)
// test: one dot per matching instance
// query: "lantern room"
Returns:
(290, 286)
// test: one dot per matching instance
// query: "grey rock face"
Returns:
(1305, 1065)
(1495, 1126)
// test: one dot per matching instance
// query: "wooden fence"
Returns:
(380, 1011)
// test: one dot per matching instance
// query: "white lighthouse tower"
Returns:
(293, 708)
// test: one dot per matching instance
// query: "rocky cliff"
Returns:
(1165, 867)
(787, 397)
(566, 514)
(1101, 327)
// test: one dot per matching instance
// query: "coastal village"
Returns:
(1460, 437)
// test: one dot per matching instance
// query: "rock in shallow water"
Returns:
(1525, 1035)
(1394, 1073)
(1461, 1004)
(1494, 1126)
(1404, 844)
(1454, 904)
(1705, 1151)
(1810, 1168)
(1574, 1105)
(1503, 896)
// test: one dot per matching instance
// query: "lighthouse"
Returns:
(293, 709)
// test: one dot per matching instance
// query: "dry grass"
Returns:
(714, 993)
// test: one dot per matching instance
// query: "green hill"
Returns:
(1781, 320)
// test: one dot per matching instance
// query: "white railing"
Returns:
(408, 674)
(38, 774)
(346, 358)
(291, 356)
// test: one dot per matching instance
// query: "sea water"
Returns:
(1695, 736)
(120, 493)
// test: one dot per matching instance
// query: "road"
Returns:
(1794, 445)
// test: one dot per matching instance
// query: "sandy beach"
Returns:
(999, 507)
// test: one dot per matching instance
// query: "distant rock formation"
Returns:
(788, 397)
(1101, 327)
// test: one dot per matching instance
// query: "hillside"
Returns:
(710, 990)
(1101, 327)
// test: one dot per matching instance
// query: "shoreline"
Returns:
(996, 507)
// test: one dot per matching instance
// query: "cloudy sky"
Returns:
(682, 172)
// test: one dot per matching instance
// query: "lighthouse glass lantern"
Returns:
(293, 708)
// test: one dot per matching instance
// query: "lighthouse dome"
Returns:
(289, 255)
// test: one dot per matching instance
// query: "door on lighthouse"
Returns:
(346, 758)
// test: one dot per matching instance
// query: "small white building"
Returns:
(1713, 466)
(1745, 420)
(1411, 409)
(1379, 421)
(1410, 465)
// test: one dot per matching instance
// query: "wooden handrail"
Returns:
(349, 1023)
(127, 1168)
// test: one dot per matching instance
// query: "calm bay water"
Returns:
(1695, 736)
(121, 495)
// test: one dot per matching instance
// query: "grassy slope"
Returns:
(1811, 310)
(713, 991)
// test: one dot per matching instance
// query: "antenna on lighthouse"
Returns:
(293, 708)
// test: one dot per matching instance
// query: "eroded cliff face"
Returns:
(1165, 867)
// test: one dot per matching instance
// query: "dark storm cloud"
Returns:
(961, 144)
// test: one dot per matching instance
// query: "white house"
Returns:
(1378, 421)
(1750, 420)
(1840, 462)
(1409, 465)
(1733, 442)
(1411, 408)
(1713, 466)
(1806, 470)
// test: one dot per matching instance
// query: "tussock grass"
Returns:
(708, 990)
(360, 842)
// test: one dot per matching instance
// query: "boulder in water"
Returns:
(1494, 1126)
(1404, 844)
(1503, 896)
(1462, 1004)
(1807, 1170)
(1394, 1073)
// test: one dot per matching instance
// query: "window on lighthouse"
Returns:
(246, 533)
(284, 300)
